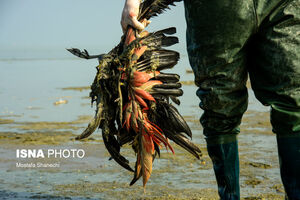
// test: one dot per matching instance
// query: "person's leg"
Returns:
(217, 32)
(274, 68)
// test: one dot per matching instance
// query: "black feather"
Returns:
(125, 137)
(157, 150)
(151, 8)
(154, 42)
(175, 100)
(113, 148)
(184, 142)
(177, 120)
(166, 92)
(171, 129)
(158, 60)
(168, 86)
(168, 31)
(167, 77)
(135, 177)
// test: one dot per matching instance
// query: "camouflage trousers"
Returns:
(229, 40)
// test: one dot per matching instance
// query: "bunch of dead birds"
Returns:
(133, 95)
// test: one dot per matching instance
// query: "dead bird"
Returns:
(133, 95)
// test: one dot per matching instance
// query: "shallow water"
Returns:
(30, 86)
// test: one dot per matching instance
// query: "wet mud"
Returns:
(175, 176)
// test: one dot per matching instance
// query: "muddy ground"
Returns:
(178, 176)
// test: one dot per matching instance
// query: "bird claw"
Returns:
(83, 54)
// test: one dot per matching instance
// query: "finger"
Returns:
(136, 24)
(124, 26)
(145, 22)
(123, 22)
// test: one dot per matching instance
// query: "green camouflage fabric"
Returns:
(226, 41)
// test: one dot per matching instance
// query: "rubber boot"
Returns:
(223, 151)
(289, 160)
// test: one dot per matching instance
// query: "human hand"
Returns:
(130, 14)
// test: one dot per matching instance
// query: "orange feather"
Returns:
(144, 94)
(140, 78)
(141, 101)
(138, 52)
(130, 36)
(147, 154)
(134, 123)
(135, 109)
(149, 84)
(128, 112)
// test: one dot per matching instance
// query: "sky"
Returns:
(30, 25)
